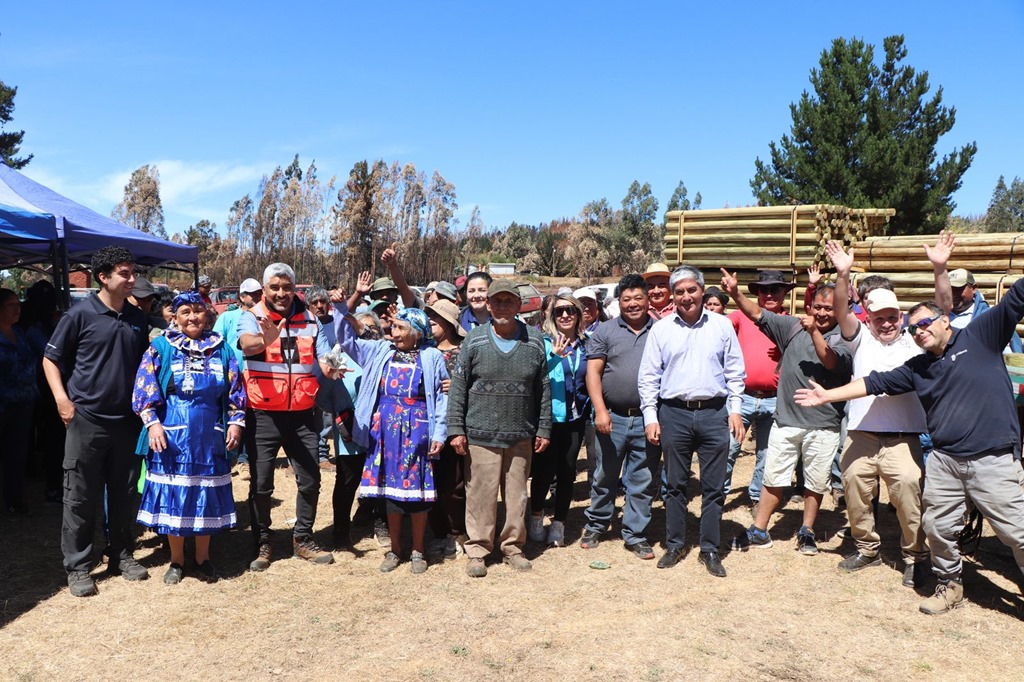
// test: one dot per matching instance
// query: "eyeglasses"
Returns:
(567, 311)
(922, 324)
(773, 290)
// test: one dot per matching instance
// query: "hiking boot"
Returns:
(535, 528)
(476, 568)
(518, 562)
(641, 549)
(916, 574)
(262, 560)
(305, 548)
(174, 574)
(856, 562)
(129, 568)
(805, 542)
(207, 572)
(948, 596)
(556, 534)
(419, 564)
(81, 584)
(752, 537)
(390, 562)
(590, 539)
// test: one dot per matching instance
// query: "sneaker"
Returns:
(419, 564)
(805, 542)
(305, 548)
(174, 574)
(129, 568)
(590, 539)
(381, 533)
(262, 560)
(390, 562)
(535, 528)
(856, 562)
(556, 534)
(641, 549)
(81, 584)
(752, 537)
(207, 572)
(518, 562)
(476, 568)
(948, 596)
(915, 575)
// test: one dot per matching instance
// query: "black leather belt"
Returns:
(628, 412)
(761, 394)
(895, 434)
(706, 404)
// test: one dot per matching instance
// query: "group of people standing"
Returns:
(433, 410)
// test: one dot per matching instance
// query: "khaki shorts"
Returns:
(787, 445)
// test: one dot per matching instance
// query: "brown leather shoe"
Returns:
(306, 549)
(262, 560)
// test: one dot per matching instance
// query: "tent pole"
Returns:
(61, 270)
(195, 275)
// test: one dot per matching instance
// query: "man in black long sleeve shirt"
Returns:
(964, 388)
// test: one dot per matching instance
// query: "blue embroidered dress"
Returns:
(397, 466)
(187, 490)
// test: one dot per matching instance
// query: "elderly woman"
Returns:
(401, 419)
(191, 398)
(570, 408)
(17, 400)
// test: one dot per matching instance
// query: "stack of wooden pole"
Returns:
(748, 240)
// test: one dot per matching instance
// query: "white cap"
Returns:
(882, 299)
(249, 286)
(585, 292)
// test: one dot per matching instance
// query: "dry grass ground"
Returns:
(778, 615)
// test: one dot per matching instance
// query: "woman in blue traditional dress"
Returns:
(191, 398)
(401, 419)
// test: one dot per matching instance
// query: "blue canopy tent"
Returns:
(37, 225)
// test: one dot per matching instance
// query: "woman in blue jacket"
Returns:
(570, 407)
(401, 420)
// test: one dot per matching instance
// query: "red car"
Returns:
(223, 297)
(532, 302)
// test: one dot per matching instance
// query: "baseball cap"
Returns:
(882, 299)
(446, 290)
(249, 286)
(205, 281)
(503, 286)
(585, 292)
(382, 284)
(960, 278)
(142, 288)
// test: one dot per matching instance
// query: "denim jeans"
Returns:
(759, 413)
(624, 452)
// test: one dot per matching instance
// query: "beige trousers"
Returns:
(489, 469)
(868, 457)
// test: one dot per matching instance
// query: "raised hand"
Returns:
(561, 343)
(841, 260)
(729, 283)
(814, 275)
(939, 254)
(364, 283)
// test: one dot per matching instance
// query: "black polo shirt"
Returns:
(615, 343)
(100, 351)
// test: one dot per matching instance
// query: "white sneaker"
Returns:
(556, 534)
(535, 530)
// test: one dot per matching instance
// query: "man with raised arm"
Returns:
(811, 350)
(963, 386)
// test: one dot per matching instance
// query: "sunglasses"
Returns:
(922, 324)
(568, 311)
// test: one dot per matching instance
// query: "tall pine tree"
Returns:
(866, 137)
(10, 142)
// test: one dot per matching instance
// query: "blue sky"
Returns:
(530, 109)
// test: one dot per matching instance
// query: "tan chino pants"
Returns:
(489, 469)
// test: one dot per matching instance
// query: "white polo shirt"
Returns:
(886, 413)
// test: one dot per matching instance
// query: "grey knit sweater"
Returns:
(498, 399)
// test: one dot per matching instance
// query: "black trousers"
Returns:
(557, 463)
(684, 431)
(265, 434)
(449, 514)
(346, 483)
(97, 454)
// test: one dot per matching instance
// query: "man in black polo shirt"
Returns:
(613, 361)
(99, 344)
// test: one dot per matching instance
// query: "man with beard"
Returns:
(811, 350)
(282, 341)
(623, 453)
(690, 381)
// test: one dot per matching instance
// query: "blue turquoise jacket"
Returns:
(373, 357)
(556, 376)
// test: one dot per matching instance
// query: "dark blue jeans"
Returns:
(684, 431)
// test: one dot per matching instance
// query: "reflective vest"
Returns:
(281, 377)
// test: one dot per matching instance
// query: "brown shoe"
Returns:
(327, 466)
(476, 568)
(518, 562)
(948, 596)
(243, 471)
(262, 560)
(306, 549)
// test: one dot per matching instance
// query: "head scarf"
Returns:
(419, 322)
(186, 298)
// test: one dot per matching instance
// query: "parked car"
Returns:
(532, 302)
(80, 294)
(223, 297)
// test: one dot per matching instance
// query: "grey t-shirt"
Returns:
(799, 365)
(615, 343)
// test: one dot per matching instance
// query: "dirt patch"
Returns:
(779, 615)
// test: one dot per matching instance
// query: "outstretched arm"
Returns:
(819, 395)
(749, 308)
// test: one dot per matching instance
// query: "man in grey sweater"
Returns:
(503, 367)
